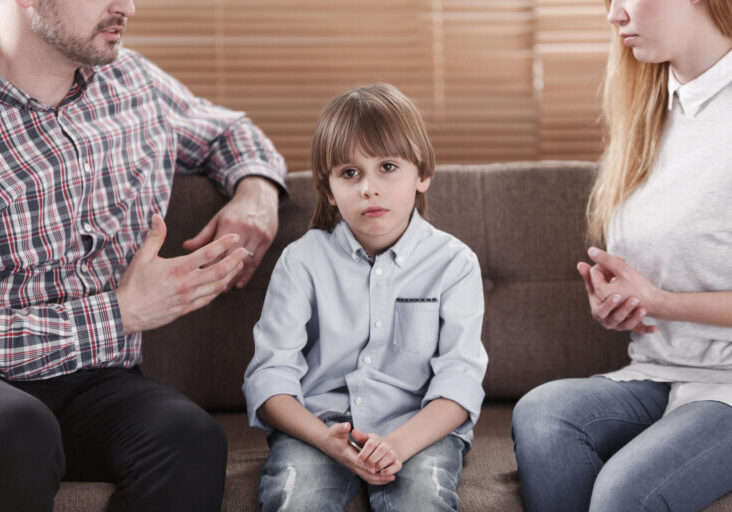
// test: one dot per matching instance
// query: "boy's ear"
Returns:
(423, 184)
(331, 200)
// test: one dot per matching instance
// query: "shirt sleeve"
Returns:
(222, 144)
(280, 336)
(461, 360)
(38, 341)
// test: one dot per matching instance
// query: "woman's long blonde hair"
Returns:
(635, 98)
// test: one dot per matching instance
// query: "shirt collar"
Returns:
(401, 250)
(15, 97)
(696, 93)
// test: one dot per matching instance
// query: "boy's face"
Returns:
(375, 196)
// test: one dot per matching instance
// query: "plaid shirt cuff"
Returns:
(98, 329)
(230, 178)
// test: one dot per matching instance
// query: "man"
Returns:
(90, 137)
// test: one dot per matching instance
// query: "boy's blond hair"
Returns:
(381, 121)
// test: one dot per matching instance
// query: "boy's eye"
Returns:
(349, 173)
(388, 166)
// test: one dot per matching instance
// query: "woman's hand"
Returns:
(620, 296)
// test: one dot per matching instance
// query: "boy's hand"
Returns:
(377, 454)
(335, 444)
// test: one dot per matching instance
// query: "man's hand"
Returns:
(252, 215)
(155, 291)
(335, 444)
(619, 295)
(377, 453)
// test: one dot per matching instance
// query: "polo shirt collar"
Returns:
(694, 95)
(401, 250)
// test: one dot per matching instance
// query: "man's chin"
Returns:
(102, 58)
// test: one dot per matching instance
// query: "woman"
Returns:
(657, 434)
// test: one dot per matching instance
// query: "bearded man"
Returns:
(91, 136)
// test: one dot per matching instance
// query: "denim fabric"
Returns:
(602, 445)
(297, 477)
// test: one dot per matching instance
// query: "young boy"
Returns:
(368, 360)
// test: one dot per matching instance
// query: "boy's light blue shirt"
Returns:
(381, 340)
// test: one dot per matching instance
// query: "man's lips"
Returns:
(374, 211)
(113, 34)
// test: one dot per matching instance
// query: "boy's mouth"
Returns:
(374, 211)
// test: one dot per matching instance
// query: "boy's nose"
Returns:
(368, 188)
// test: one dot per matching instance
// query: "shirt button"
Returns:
(87, 168)
(378, 324)
(87, 227)
(367, 359)
(358, 400)
(378, 272)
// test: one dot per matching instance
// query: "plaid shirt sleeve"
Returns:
(79, 183)
(52, 339)
(223, 144)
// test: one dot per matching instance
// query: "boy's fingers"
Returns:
(359, 436)
(392, 469)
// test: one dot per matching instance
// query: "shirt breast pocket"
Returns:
(417, 326)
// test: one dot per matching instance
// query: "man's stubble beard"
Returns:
(77, 49)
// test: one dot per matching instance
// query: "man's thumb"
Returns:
(155, 238)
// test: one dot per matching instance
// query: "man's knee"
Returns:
(31, 453)
(188, 431)
(28, 429)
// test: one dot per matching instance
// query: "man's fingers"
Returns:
(203, 237)
(154, 240)
(251, 264)
(211, 252)
(216, 278)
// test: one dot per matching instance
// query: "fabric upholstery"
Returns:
(525, 221)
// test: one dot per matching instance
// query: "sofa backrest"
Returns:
(525, 221)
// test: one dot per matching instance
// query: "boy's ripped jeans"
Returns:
(299, 477)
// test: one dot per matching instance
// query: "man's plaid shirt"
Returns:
(79, 184)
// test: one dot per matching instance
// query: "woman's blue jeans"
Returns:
(600, 445)
(299, 477)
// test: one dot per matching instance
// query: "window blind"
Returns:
(497, 80)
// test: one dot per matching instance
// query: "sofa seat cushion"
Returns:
(489, 480)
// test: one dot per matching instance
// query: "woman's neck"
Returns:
(706, 48)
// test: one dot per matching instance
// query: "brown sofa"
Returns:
(525, 223)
